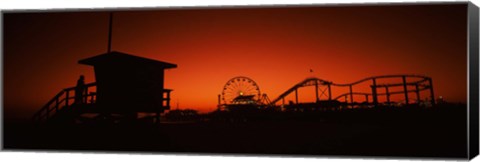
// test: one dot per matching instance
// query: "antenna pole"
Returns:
(110, 33)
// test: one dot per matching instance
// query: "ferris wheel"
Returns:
(240, 87)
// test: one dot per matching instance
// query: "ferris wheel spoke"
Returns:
(231, 88)
(236, 85)
(250, 89)
(230, 93)
(239, 85)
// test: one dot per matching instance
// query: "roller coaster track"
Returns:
(306, 82)
(421, 83)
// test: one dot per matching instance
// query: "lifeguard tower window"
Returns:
(128, 83)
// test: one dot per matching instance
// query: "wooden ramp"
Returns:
(64, 106)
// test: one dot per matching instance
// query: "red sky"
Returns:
(275, 47)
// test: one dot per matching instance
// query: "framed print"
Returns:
(370, 80)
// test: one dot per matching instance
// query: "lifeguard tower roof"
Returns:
(125, 59)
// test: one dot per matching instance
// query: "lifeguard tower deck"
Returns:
(125, 86)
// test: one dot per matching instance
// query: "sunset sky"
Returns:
(276, 47)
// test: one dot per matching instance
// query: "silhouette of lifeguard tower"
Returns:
(126, 85)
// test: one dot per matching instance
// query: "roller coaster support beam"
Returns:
(388, 95)
(296, 96)
(329, 91)
(417, 91)
(374, 92)
(431, 91)
(405, 89)
(316, 92)
(351, 96)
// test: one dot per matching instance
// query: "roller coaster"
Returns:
(244, 91)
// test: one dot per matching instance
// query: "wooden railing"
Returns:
(64, 100)
(166, 98)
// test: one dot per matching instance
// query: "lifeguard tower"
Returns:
(126, 85)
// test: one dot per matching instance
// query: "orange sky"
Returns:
(274, 47)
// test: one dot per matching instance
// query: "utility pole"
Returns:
(109, 49)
